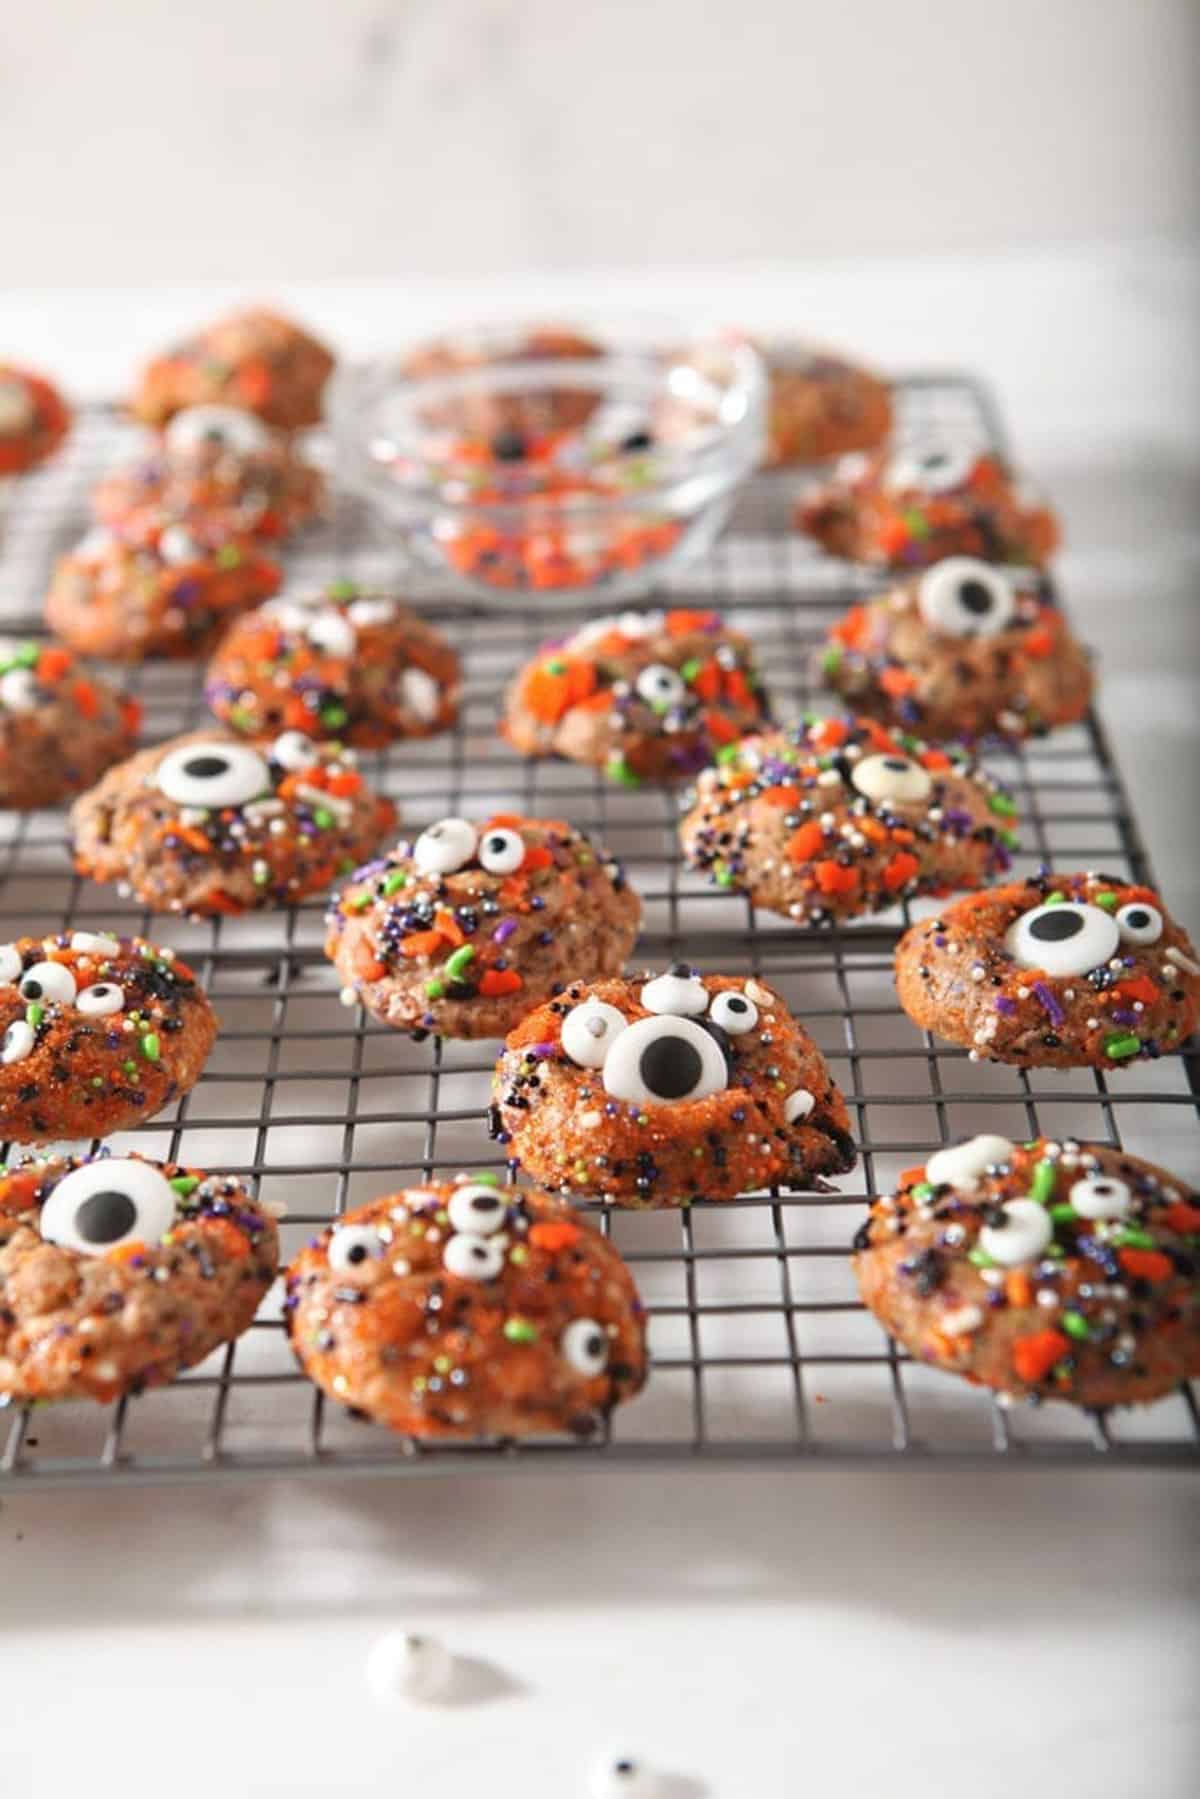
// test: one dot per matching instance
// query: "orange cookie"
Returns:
(253, 359)
(34, 420)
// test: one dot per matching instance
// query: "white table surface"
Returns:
(757, 1635)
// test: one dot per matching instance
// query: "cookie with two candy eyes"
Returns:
(207, 823)
(664, 1090)
(462, 1308)
(254, 359)
(34, 420)
(97, 1033)
(464, 930)
(346, 662)
(1055, 1270)
(1063, 971)
(837, 817)
(966, 650)
(60, 725)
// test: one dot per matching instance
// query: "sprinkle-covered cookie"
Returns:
(966, 650)
(117, 1272)
(1042, 1269)
(34, 420)
(1061, 971)
(253, 359)
(462, 1308)
(647, 696)
(463, 931)
(837, 817)
(660, 1091)
(60, 727)
(500, 415)
(821, 406)
(207, 824)
(347, 662)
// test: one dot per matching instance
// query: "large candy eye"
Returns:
(477, 1209)
(177, 545)
(679, 992)
(501, 852)
(929, 470)
(589, 1031)
(331, 631)
(962, 1164)
(10, 964)
(734, 1013)
(18, 690)
(213, 774)
(966, 598)
(664, 1061)
(294, 750)
(104, 1203)
(19, 1040)
(1067, 938)
(48, 980)
(1140, 923)
(224, 427)
(1101, 1196)
(584, 1346)
(661, 687)
(473, 1258)
(891, 778)
(353, 1244)
(1024, 1234)
(99, 1000)
(445, 847)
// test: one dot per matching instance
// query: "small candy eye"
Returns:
(18, 690)
(1068, 938)
(331, 631)
(665, 1061)
(584, 1346)
(224, 427)
(294, 750)
(661, 687)
(445, 847)
(353, 1244)
(177, 545)
(420, 694)
(589, 1031)
(1024, 1234)
(104, 1203)
(213, 774)
(962, 1164)
(371, 612)
(501, 852)
(966, 598)
(10, 964)
(50, 981)
(733, 1012)
(929, 470)
(19, 1039)
(1140, 923)
(679, 992)
(101, 999)
(798, 1105)
(891, 778)
(473, 1258)
(477, 1209)
(1101, 1196)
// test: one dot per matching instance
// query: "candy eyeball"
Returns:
(445, 847)
(477, 1209)
(966, 598)
(353, 1244)
(106, 1203)
(1066, 938)
(963, 1163)
(892, 777)
(679, 992)
(501, 851)
(584, 1347)
(294, 750)
(660, 686)
(402, 1665)
(472, 1257)
(1139, 923)
(798, 1105)
(177, 545)
(1101, 1196)
(419, 694)
(375, 611)
(18, 690)
(1022, 1237)
(48, 981)
(665, 1061)
(19, 1040)
(329, 630)
(213, 774)
(621, 1777)
(219, 427)
(100, 1000)
(929, 470)
(734, 1012)
(10, 964)
(589, 1031)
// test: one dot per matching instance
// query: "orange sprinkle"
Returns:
(86, 699)
(1140, 987)
(783, 797)
(738, 689)
(346, 782)
(806, 842)
(1035, 1355)
(448, 925)
(707, 681)
(900, 833)
(854, 629)
(53, 663)
(1182, 1217)
(131, 715)
(1146, 1264)
(232, 1240)
(128, 1252)
(900, 870)
(537, 856)
(420, 943)
(719, 727)
(912, 1176)
(680, 621)
(934, 759)
(829, 733)
(551, 1235)
(506, 821)
(1018, 1288)
(500, 980)
(896, 681)
(833, 878)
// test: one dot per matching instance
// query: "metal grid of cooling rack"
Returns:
(761, 1352)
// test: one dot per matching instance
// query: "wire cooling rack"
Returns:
(761, 1351)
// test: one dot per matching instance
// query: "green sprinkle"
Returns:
(520, 1330)
(129, 1066)
(916, 524)
(241, 718)
(456, 963)
(691, 669)
(1063, 1214)
(518, 1254)
(1042, 1186)
(434, 989)
(1120, 1045)
(229, 556)
(27, 655)
(831, 661)
(723, 877)
(184, 1184)
(980, 1258)
(556, 666)
(1076, 1326)
(922, 1190)
(1002, 806)
(151, 1047)
(619, 770)
(34, 1013)
(1134, 1239)
(729, 752)
(324, 818)
(1009, 839)
(1107, 900)
(488, 1179)
(394, 882)
(360, 902)
(442, 1364)
(1055, 899)
(97, 1080)
(342, 590)
(334, 716)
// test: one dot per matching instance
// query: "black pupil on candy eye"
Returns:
(896, 762)
(975, 597)
(103, 1217)
(357, 1252)
(1137, 918)
(497, 845)
(1056, 926)
(32, 989)
(594, 1345)
(671, 1067)
(205, 768)
(736, 1005)
(485, 1205)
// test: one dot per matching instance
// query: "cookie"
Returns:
(668, 1089)
(646, 696)
(503, 415)
(207, 824)
(465, 930)
(463, 1309)
(34, 420)
(349, 663)
(820, 406)
(117, 1272)
(97, 1034)
(1043, 1269)
(835, 818)
(910, 508)
(253, 359)
(1061, 971)
(965, 650)
(167, 592)
(219, 461)
(60, 727)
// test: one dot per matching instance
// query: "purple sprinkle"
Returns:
(1124, 1016)
(1005, 1005)
(543, 1049)
(1048, 1002)
(504, 930)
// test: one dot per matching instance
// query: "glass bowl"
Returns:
(549, 462)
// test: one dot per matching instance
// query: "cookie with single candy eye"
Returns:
(821, 405)
(836, 817)
(1055, 1270)
(462, 1308)
(646, 696)
(253, 359)
(116, 1272)
(915, 506)
(1062, 971)
(463, 931)
(207, 823)
(660, 1091)
(97, 1033)
(347, 662)
(34, 419)
(60, 726)
(965, 650)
